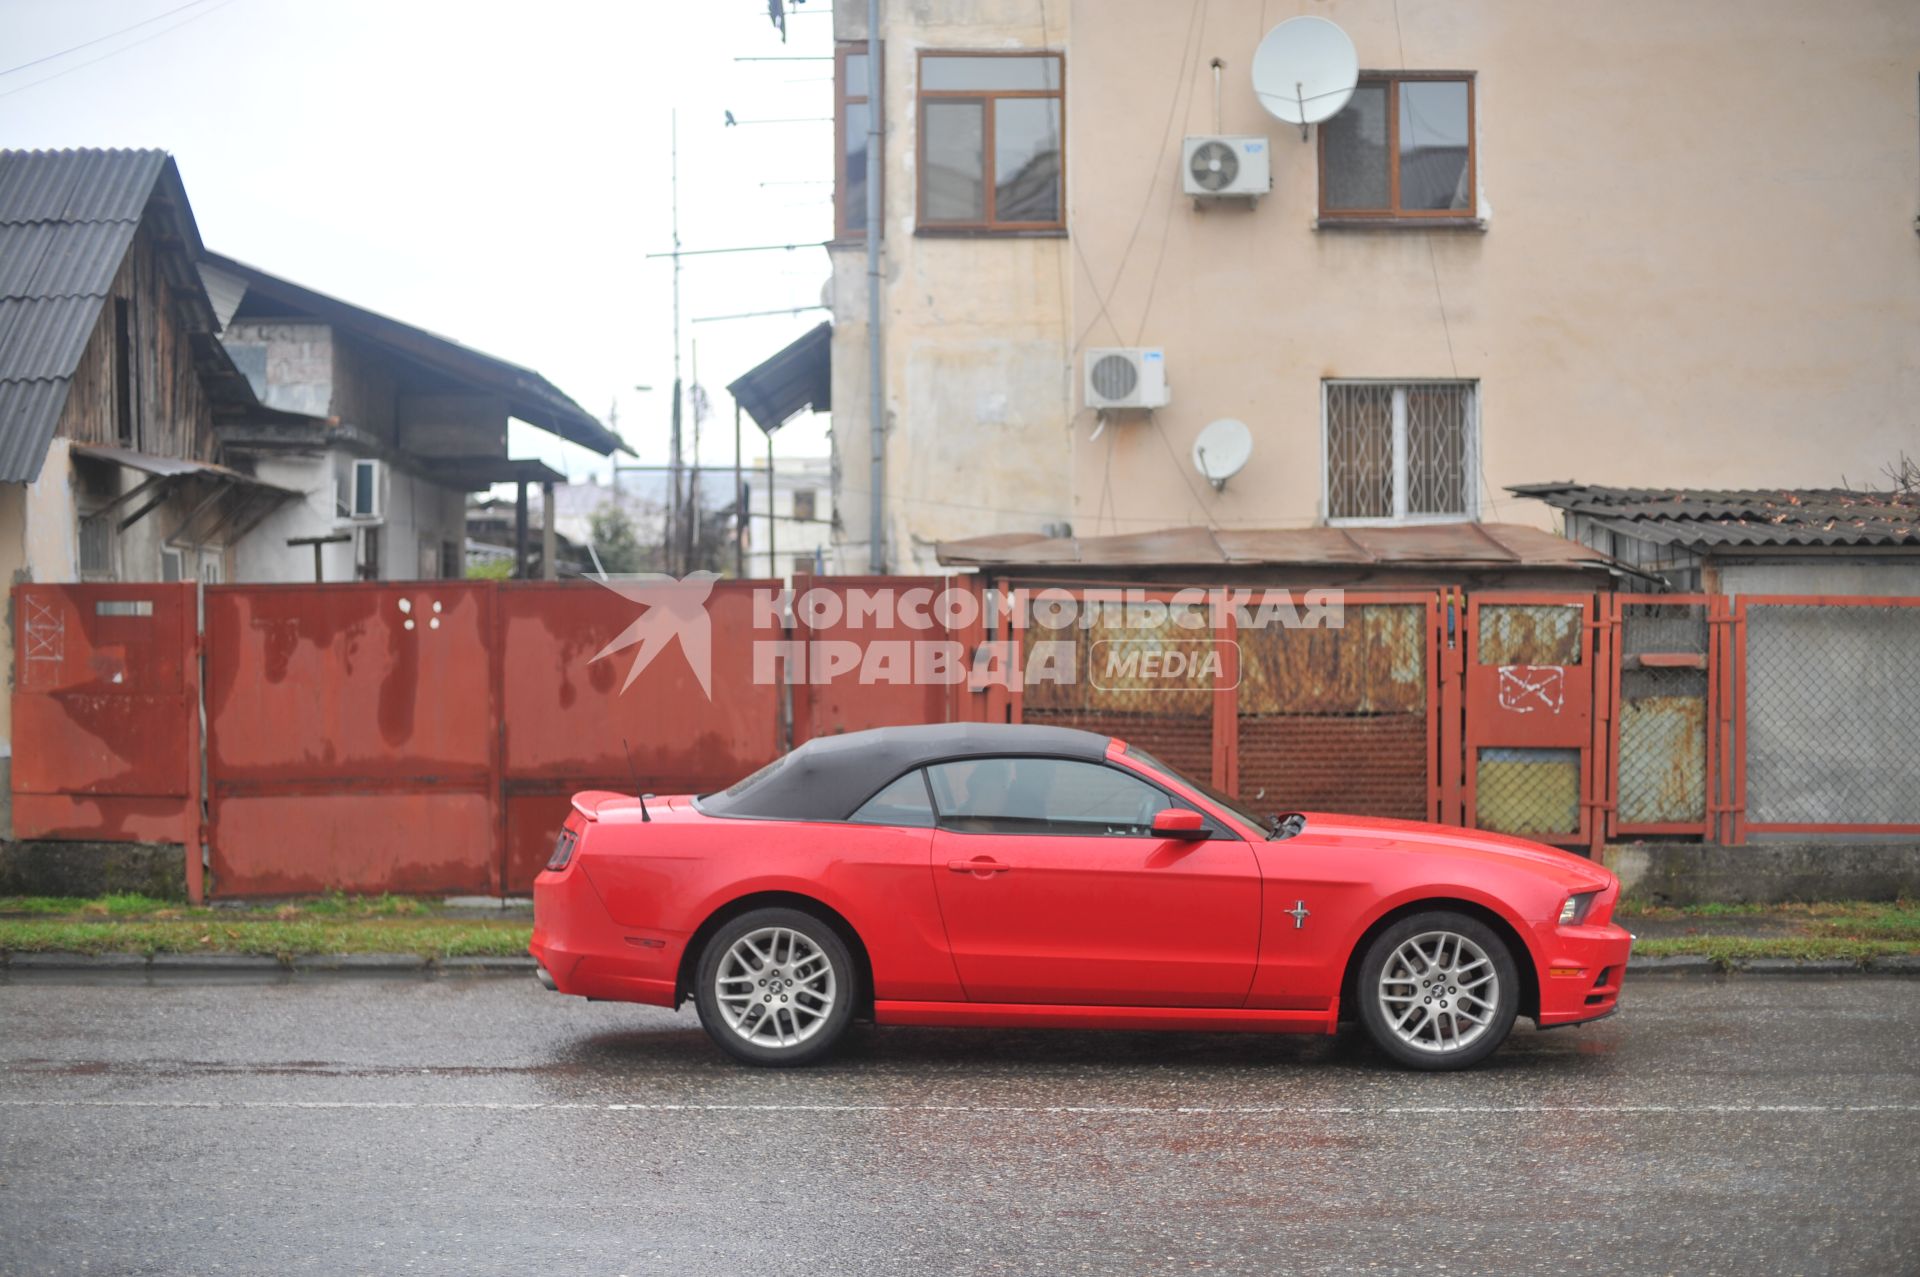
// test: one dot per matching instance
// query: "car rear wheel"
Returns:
(1438, 990)
(776, 987)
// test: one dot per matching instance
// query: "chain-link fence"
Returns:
(1832, 714)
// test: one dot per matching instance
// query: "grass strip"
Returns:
(429, 938)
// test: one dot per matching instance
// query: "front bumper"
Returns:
(585, 953)
(1581, 970)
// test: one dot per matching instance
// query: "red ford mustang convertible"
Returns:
(997, 875)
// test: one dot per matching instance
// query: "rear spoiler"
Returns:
(589, 802)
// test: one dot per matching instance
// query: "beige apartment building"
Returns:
(1638, 244)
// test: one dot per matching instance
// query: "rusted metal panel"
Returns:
(1376, 663)
(104, 712)
(408, 840)
(355, 683)
(1530, 634)
(566, 714)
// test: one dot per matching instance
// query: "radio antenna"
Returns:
(635, 773)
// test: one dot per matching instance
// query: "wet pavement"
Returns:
(482, 1126)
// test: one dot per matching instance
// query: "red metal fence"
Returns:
(426, 736)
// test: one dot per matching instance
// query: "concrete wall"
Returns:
(1821, 575)
(1687, 276)
(289, 362)
(976, 330)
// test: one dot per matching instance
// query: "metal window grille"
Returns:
(1832, 714)
(1400, 451)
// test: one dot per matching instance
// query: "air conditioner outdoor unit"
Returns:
(1219, 168)
(1126, 377)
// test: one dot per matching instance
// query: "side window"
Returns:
(904, 802)
(1043, 796)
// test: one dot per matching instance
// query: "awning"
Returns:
(1476, 546)
(234, 504)
(796, 378)
(476, 474)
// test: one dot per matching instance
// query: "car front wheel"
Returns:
(776, 987)
(1438, 990)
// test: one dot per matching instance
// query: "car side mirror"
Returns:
(1182, 824)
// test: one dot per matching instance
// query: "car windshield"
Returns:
(1267, 823)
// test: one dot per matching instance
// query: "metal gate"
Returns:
(1662, 713)
(106, 717)
(1530, 661)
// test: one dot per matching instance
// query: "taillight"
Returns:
(563, 849)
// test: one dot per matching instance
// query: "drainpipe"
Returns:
(876, 405)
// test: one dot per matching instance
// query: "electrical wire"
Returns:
(88, 44)
(1146, 203)
(215, 7)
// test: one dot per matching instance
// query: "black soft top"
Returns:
(829, 777)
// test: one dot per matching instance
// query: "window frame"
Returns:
(986, 97)
(1401, 479)
(844, 232)
(1393, 212)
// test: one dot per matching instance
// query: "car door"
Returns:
(1055, 891)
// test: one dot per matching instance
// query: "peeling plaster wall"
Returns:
(976, 331)
(1687, 278)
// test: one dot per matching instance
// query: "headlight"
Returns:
(1575, 910)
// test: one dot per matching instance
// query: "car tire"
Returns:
(776, 987)
(1411, 997)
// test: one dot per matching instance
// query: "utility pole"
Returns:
(673, 499)
(692, 533)
(876, 381)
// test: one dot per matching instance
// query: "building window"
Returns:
(803, 503)
(852, 102)
(991, 150)
(1402, 148)
(367, 565)
(96, 548)
(1400, 452)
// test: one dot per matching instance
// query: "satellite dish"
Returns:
(1304, 71)
(1222, 451)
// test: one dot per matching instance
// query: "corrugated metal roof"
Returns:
(1464, 545)
(66, 221)
(175, 467)
(795, 377)
(1733, 518)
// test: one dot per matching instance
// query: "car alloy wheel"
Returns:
(776, 986)
(1438, 990)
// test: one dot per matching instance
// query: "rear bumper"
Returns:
(1581, 969)
(582, 951)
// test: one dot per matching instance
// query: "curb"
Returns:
(221, 968)
(1904, 964)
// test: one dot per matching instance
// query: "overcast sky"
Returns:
(495, 172)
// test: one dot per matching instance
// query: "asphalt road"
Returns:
(1742, 1126)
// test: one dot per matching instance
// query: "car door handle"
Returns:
(980, 866)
